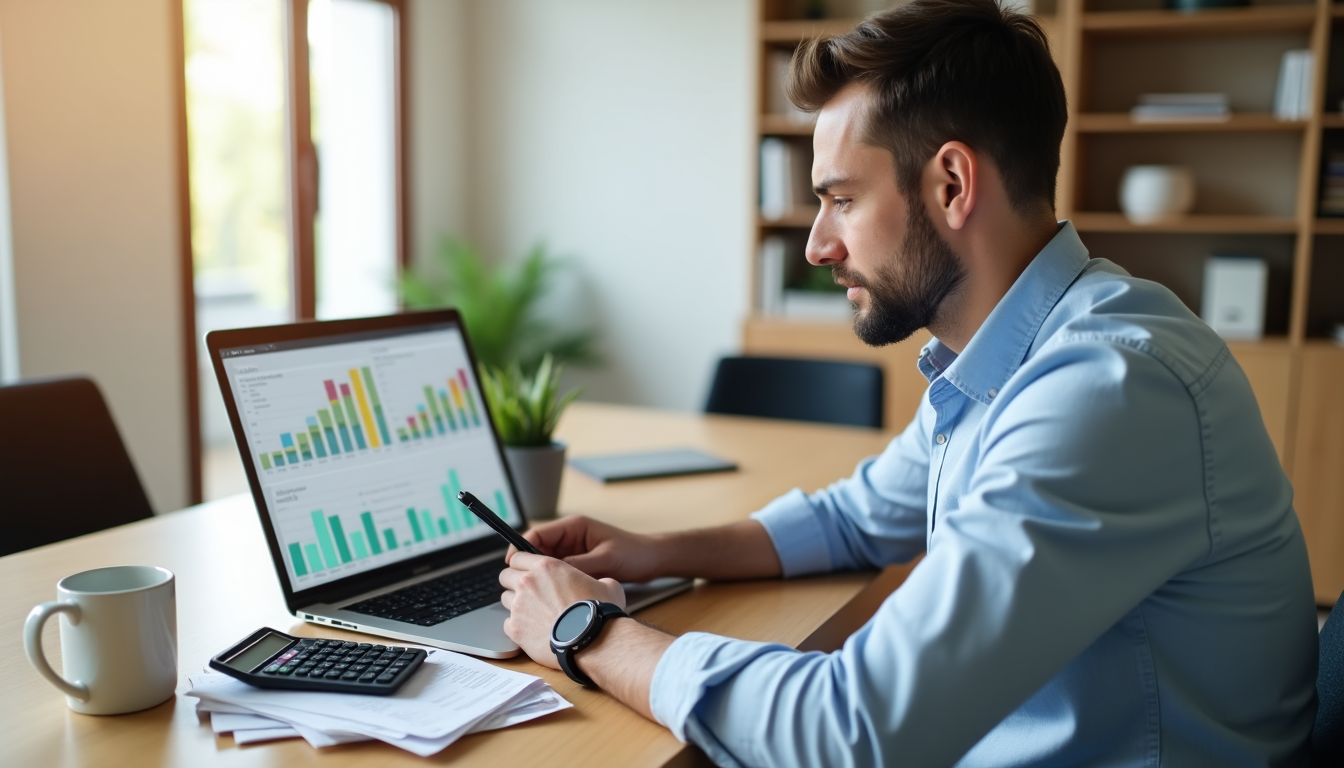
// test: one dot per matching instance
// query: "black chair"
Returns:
(803, 390)
(1327, 738)
(64, 471)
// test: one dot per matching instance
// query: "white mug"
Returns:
(118, 638)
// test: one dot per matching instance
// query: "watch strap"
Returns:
(604, 613)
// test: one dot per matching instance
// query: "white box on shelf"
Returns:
(1234, 296)
(770, 276)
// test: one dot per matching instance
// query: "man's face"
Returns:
(882, 246)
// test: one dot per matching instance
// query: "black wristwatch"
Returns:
(576, 628)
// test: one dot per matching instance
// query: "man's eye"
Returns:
(841, 203)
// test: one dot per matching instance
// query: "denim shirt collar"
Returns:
(1000, 345)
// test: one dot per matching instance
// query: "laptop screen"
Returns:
(361, 442)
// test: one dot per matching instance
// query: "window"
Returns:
(294, 115)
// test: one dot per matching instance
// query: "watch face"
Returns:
(572, 622)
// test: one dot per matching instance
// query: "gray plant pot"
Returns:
(536, 473)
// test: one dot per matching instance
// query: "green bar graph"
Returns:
(450, 504)
(324, 539)
(428, 524)
(325, 418)
(357, 542)
(434, 408)
(338, 533)
(278, 458)
(377, 403)
(314, 557)
(401, 434)
(316, 435)
(501, 508)
(303, 447)
(447, 409)
(390, 537)
(415, 526)
(265, 461)
(443, 526)
(296, 560)
(454, 487)
(370, 532)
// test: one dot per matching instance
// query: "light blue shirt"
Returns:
(1113, 571)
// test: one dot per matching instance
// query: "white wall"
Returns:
(89, 110)
(618, 132)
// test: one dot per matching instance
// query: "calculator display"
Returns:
(260, 651)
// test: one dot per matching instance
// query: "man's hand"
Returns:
(538, 589)
(598, 549)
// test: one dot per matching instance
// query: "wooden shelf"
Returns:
(1121, 122)
(797, 218)
(1329, 227)
(1332, 119)
(782, 125)
(804, 29)
(1088, 221)
(1262, 19)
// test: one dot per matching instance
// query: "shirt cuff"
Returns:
(797, 533)
(691, 665)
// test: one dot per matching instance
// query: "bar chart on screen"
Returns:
(332, 532)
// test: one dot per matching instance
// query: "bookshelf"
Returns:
(1258, 181)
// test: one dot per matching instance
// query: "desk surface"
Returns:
(227, 588)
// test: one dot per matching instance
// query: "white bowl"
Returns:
(1153, 193)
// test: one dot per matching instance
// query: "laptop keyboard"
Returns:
(438, 600)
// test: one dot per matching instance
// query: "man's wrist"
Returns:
(622, 660)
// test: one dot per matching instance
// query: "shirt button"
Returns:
(941, 439)
(993, 393)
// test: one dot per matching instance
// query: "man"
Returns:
(1113, 571)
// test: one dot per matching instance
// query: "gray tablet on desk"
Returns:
(636, 466)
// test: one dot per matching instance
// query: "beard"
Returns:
(909, 289)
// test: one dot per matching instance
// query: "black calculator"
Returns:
(270, 659)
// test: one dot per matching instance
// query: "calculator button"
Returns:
(302, 671)
(397, 649)
(380, 648)
(349, 645)
(350, 676)
(386, 678)
(358, 667)
(332, 675)
(287, 670)
(271, 670)
(364, 645)
(367, 677)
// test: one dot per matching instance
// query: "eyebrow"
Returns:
(828, 182)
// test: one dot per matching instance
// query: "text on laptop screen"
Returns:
(361, 444)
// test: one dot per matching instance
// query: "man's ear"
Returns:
(955, 179)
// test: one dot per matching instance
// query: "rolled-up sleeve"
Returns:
(1051, 516)
(870, 520)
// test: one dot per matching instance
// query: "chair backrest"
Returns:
(64, 471)
(794, 388)
(1327, 738)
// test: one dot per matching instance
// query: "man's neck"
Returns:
(994, 257)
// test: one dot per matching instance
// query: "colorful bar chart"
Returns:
(337, 541)
(356, 419)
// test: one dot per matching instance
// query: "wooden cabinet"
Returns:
(1318, 466)
(1258, 181)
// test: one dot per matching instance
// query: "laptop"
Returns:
(356, 436)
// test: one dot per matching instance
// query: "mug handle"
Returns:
(32, 645)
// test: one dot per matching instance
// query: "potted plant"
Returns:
(525, 410)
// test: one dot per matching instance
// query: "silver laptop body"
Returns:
(356, 436)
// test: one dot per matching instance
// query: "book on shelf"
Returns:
(1331, 203)
(786, 178)
(1181, 108)
(770, 275)
(776, 100)
(1293, 97)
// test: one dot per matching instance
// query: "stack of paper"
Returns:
(1181, 108)
(450, 696)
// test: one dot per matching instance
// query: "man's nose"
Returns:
(824, 246)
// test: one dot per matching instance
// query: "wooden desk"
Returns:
(226, 587)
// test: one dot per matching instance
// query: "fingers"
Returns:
(565, 536)
(592, 563)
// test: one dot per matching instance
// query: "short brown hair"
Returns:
(948, 70)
